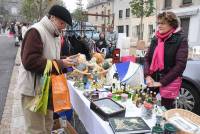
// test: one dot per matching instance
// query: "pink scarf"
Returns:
(158, 56)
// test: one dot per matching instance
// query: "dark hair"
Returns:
(101, 34)
(169, 17)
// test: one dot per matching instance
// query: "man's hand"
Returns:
(71, 60)
(74, 56)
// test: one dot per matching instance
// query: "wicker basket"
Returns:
(194, 118)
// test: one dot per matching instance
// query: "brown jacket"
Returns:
(38, 45)
(31, 55)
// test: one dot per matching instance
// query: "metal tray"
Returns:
(107, 108)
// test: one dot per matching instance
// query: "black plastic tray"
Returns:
(107, 108)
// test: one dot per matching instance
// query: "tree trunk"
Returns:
(141, 21)
(81, 28)
(40, 10)
(141, 28)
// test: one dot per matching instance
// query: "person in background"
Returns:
(101, 43)
(41, 43)
(24, 29)
(12, 28)
(4, 25)
(111, 38)
(66, 47)
(18, 35)
(166, 57)
(17, 29)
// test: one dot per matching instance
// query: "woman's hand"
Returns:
(149, 81)
(157, 84)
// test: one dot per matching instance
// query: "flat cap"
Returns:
(62, 13)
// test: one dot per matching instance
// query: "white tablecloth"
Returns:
(92, 122)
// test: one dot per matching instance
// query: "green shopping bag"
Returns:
(45, 96)
(40, 101)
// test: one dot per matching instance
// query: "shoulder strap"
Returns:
(56, 66)
(48, 67)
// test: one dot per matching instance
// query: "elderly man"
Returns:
(41, 42)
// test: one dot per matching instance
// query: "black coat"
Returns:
(101, 43)
(74, 46)
(175, 58)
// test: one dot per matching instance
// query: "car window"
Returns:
(194, 53)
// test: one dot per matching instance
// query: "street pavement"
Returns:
(7, 57)
(10, 99)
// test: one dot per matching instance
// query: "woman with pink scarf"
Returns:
(166, 59)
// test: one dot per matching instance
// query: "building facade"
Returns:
(124, 21)
(127, 23)
(102, 11)
(188, 12)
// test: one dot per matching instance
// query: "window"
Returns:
(109, 17)
(127, 30)
(138, 30)
(102, 15)
(103, 27)
(151, 31)
(134, 31)
(128, 12)
(168, 3)
(96, 16)
(187, 2)
(108, 12)
(120, 29)
(120, 13)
